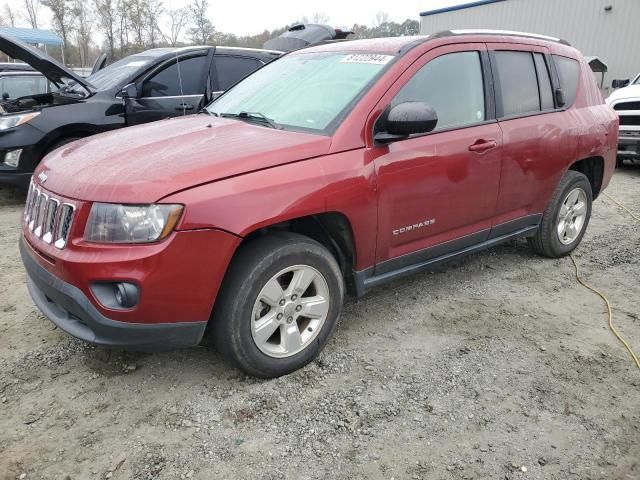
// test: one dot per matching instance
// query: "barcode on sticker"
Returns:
(367, 58)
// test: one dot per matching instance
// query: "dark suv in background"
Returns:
(152, 85)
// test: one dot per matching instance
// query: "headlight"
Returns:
(11, 121)
(111, 223)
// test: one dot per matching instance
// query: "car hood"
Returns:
(632, 91)
(146, 163)
(42, 62)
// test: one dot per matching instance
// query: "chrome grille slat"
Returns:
(34, 209)
(27, 205)
(49, 218)
(64, 225)
(43, 201)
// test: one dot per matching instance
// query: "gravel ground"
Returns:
(498, 366)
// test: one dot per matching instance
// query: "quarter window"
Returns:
(167, 82)
(517, 82)
(231, 70)
(569, 72)
(16, 86)
(453, 86)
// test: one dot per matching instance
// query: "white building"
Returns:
(608, 29)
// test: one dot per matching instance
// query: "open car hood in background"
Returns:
(303, 35)
(42, 62)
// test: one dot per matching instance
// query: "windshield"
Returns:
(113, 75)
(307, 91)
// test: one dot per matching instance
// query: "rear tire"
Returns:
(259, 322)
(566, 218)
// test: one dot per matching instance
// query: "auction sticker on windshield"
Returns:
(367, 58)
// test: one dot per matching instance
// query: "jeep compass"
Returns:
(335, 168)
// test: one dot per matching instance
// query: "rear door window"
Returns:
(544, 82)
(178, 78)
(569, 73)
(232, 69)
(453, 86)
(517, 83)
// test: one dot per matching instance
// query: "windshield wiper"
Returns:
(261, 117)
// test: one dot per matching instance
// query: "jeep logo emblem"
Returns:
(42, 177)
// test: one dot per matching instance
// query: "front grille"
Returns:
(627, 106)
(633, 120)
(47, 217)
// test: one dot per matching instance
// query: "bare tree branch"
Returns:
(32, 6)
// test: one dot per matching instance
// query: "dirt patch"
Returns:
(497, 366)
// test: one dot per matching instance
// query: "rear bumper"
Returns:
(629, 146)
(70, 310)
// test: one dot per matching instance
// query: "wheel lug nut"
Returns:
(289, 319)
(294, 296)
(298, 308)
(279, 316)
(282, 302)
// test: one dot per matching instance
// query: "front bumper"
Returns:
(70, 310)
(19, 179)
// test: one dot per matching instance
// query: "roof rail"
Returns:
(450, 33)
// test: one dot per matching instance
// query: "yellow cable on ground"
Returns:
(601, 295)
(611, 326)
(622, 206)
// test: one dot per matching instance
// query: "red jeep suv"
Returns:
(344, 165)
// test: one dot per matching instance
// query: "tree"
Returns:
(62, 20)
(409, 27)
(380, 19)
(153, 11)
(123, 17)
(178, 19)
(107, 17)
(138, 20)
(317, 17)
(84, 22)
(9, 16)
(32, 6)
(202, 29)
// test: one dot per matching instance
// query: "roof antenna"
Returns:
(184, 110)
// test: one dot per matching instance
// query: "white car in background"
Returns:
(626, 102)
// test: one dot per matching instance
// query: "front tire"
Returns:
(278, 305)
(565, 220)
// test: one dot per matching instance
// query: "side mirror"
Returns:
(560, 101)
(408, 118)
(620, 83)
(129, 91)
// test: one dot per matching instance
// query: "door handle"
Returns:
(184, 106)
(482, 146)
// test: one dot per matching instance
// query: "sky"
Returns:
(247, 17)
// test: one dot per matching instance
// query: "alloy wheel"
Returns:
(572, 216)
(290, 311)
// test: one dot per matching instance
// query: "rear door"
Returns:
(227, 70)
(176, 87)
(539, 139)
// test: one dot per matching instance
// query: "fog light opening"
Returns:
(116, 295)
(126, 294)
(12, 158)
